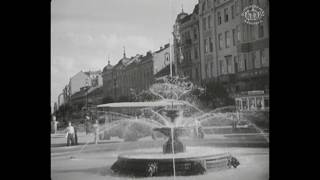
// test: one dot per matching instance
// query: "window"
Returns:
(209, 22)
(197, 74)
(257, 59)
(261, 33)
(241, 5)
(229, 64)
(220, 41)
(249, 62)
(208, 71)
(238, 33)
(210, 44)
(203, 6)
(234, 37)
(232, 11)
(264, 58)
(240, 63)
(195, 33)
(236, 64)
(253, 59)
(205, 46)
(221, 67)
(237, 7)
(252, 32)
(226, 15)
(227, 39)
(244, 31)
(212, 68)
(195, 53)
(219, 18)
(204, 24)
(245, 63)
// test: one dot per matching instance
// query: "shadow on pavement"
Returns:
(103, 171)
(81, 144)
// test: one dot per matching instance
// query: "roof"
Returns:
(186, 18)
(196, 9)
(162, 103)
(161, 49)
(107, 67)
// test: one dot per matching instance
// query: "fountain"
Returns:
(172, 134)
(175, 158)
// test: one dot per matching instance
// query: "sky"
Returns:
(86, 33)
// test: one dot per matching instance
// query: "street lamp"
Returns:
(115, 88)
(87, 88)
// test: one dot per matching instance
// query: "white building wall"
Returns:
(161, 60)
(78, 81)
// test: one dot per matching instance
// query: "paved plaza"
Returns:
(90, 161)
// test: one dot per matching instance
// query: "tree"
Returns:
(215, 95)
(107, 99)
(124, 99)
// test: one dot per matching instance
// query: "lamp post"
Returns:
(115, 88)
(87, 88)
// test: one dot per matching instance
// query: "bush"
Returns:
(259, 118)
(137, 131)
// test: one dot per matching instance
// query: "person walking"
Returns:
(70, 134)
(96, 131)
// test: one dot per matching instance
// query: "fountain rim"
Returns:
(179, 156)
(161, 103)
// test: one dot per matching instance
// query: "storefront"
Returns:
(252, 101)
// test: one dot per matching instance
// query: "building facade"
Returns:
(208, 40)
(107, 80)
(161, 58)
(187, 45)
(232, 51)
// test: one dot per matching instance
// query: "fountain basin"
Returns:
(152, 162)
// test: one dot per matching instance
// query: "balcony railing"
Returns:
(226, 78)
(252, 73)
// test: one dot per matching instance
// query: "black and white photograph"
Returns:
(159, 89)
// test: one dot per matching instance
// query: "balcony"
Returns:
(225, 78)
(252, 73)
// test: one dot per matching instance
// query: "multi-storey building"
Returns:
(208, 41)
(186, 45)
(232, 51)
(161, 58)
(107, 80)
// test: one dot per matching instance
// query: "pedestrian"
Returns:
(70, 134)
(96, 132)
(55, 124)
(87, 124)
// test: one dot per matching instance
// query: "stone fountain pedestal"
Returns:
(177, 144)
